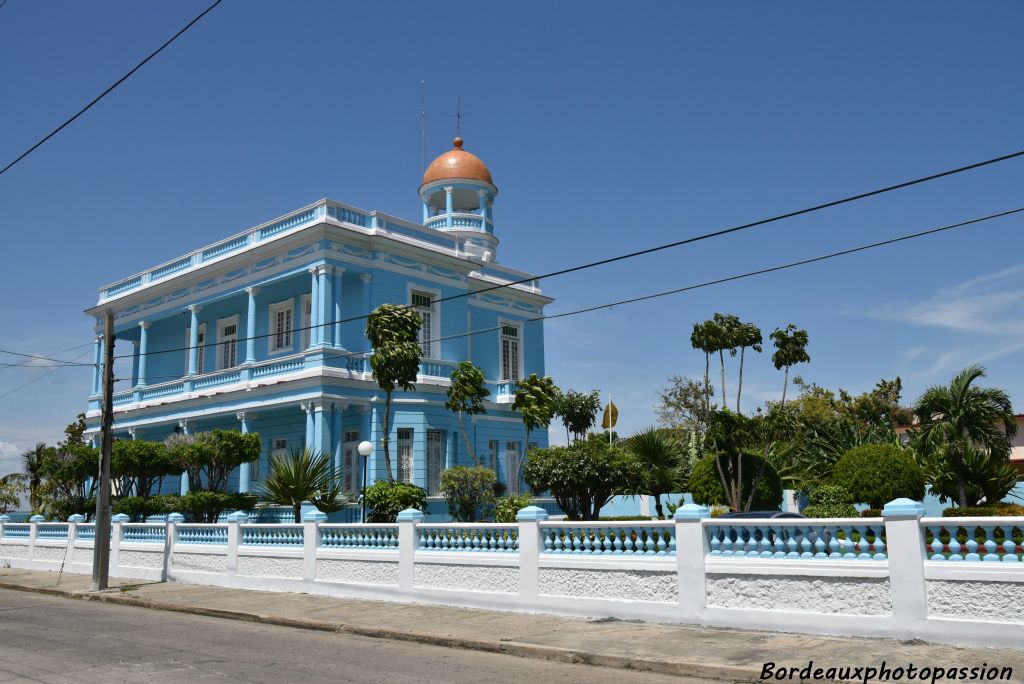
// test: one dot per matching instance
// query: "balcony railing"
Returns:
(459, 220)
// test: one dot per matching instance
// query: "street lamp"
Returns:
(364, 449)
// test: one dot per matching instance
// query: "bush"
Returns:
(206, 507)
(138, 508)
(830, 501)
(878, 473)
(506, 507)
(583, 477)
(871, 513)
(706, 486)
(469, 492)
(999, 509)
(386, 501)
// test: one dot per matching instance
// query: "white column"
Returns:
(173, 520)
(905, 548)
(691, 554)
(407, 541)
(530, 547)
(184, 486)
(309, 407)
(250, 325)
(448, 205)
(311, 542)
(143, 351)
(244, 470)
(116, 532)
(235, 521)
(337, 285)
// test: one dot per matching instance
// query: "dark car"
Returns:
(760, 514)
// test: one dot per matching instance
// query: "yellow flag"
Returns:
(611, 416)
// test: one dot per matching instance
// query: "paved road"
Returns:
(52, 639)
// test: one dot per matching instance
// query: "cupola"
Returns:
(458, 197)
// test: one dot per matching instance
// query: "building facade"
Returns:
(265, 332)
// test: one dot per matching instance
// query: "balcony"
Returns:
(459, 220)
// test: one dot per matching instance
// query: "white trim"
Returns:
(272, 311)
(221, 324)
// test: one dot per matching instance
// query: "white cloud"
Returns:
(10, 458)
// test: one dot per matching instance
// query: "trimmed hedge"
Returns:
(1000, 509)
(876, 474)
(830, 501)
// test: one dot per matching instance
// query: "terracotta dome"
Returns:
(457, 163)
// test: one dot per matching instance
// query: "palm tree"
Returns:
(747, 335)
(725, 333)
(303, 476)
(32, 460)
(963, 416)
(702, 338)
(790, 349)
(664, 460)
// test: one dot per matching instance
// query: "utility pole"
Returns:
(101, 545)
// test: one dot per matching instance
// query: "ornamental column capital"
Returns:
(324, 268)
(449, 189)
(144, 325)
(252, 291)
(366, 277)
(243, 416)
(195, 308)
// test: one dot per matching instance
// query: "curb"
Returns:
(514, 648)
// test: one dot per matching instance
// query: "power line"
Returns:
(41, 376)
(679, 290)
(119, 81)
(651, 250)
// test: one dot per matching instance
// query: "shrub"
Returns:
(871, 513)
(386, 501)
(139, 508)
(830, 501)
(878, 473)
(999, 509)
(706, 486)
(206, 507)
(506, 507)
(468, 492)
(583, 477)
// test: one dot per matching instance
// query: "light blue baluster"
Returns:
(727, 541)
(954, 545)
(778, 543)
(833, 542)
(715, 542)
(1009, 546)
(936, 544)
(651, 545)
(616, 542)
(742, 542)
(767, 533)
(819, 543)
(549, 545)
(848, 543)
(990, 544)
(659, 542)
(806, 545)
(792, 544)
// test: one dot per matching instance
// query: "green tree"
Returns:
(725, 332)
(11, 487)
(962, 416)
(32, 463)
(469, 492)
(393, 332)
(790, 349)
(303, 476)
(537, 401)
(208, 459)
(663, 461)
(578, 411)
(989, 477)
(878, 473)
(138, 467)
(735, 442)
(466, 394)
(683, 405)
(759, 489)
(745, 335)
(585, 476)
(387, 499)
(704, 338)
(68, 481)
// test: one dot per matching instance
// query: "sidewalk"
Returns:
(731, 655)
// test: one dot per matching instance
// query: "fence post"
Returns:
(171, 538)
(235, 521)
(407, 542)
(33, 534)
(116, 532)
(905, 548)
(530, 547)
(4, 519)
(311, 542)
(691, 556)
(73, 522)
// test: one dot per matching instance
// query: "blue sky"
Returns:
(608, 127)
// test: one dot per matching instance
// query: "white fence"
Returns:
(953, 580)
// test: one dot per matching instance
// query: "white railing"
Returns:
(898, 576)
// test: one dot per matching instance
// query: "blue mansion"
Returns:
(264, 332)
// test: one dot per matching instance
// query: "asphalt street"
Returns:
(53, 639)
